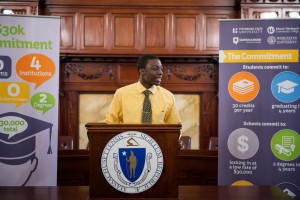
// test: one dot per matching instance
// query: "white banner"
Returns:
(29, 82)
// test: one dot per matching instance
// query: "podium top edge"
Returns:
(93, 125)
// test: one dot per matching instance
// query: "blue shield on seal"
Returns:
(132, 161)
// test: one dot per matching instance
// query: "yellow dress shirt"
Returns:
(127, 105)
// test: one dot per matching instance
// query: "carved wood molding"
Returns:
(199, 71)
(34, 9)
(93, 68)
(86, 73)
(245, 13)
(20, 7)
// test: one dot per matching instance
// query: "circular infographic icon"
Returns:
(290, 189)
(243, 86)
(286, 86)
(242, 183)
(132, 162)
(285, 145)
(243, 143)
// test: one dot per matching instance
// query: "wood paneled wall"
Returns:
(101, 41)
(109, 28)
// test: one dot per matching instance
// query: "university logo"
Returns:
(132, 162)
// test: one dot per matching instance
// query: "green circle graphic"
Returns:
(285, 144)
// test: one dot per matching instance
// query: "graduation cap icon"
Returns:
(21, 144)
(286, 87)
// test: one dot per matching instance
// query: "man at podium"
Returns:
(144, 101)
(137, 157)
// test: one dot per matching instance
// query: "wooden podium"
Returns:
(165, 135)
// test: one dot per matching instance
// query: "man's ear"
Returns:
(142, 71)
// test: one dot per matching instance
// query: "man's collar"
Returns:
(141, 88)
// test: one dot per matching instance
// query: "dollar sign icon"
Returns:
(238, 143)
(243, 146)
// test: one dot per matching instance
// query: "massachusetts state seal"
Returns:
(132, 162)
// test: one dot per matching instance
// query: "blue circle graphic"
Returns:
(286, 86)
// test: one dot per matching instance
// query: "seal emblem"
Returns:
(132, 162)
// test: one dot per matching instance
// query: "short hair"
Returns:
(143, 60)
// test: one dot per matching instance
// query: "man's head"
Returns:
(143, 60)
(150, 70)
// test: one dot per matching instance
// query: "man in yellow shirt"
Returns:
(128, 103)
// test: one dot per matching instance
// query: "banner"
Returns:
(29, 82)
(259, 106)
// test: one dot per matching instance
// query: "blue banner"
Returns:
(259, 106)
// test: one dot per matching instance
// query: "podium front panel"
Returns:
(165, 135)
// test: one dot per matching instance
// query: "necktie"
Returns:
(147, 111)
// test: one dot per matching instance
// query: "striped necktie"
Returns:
(147, 111)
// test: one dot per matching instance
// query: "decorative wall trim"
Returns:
(34, 9)
(81, 71)
(203, 70)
